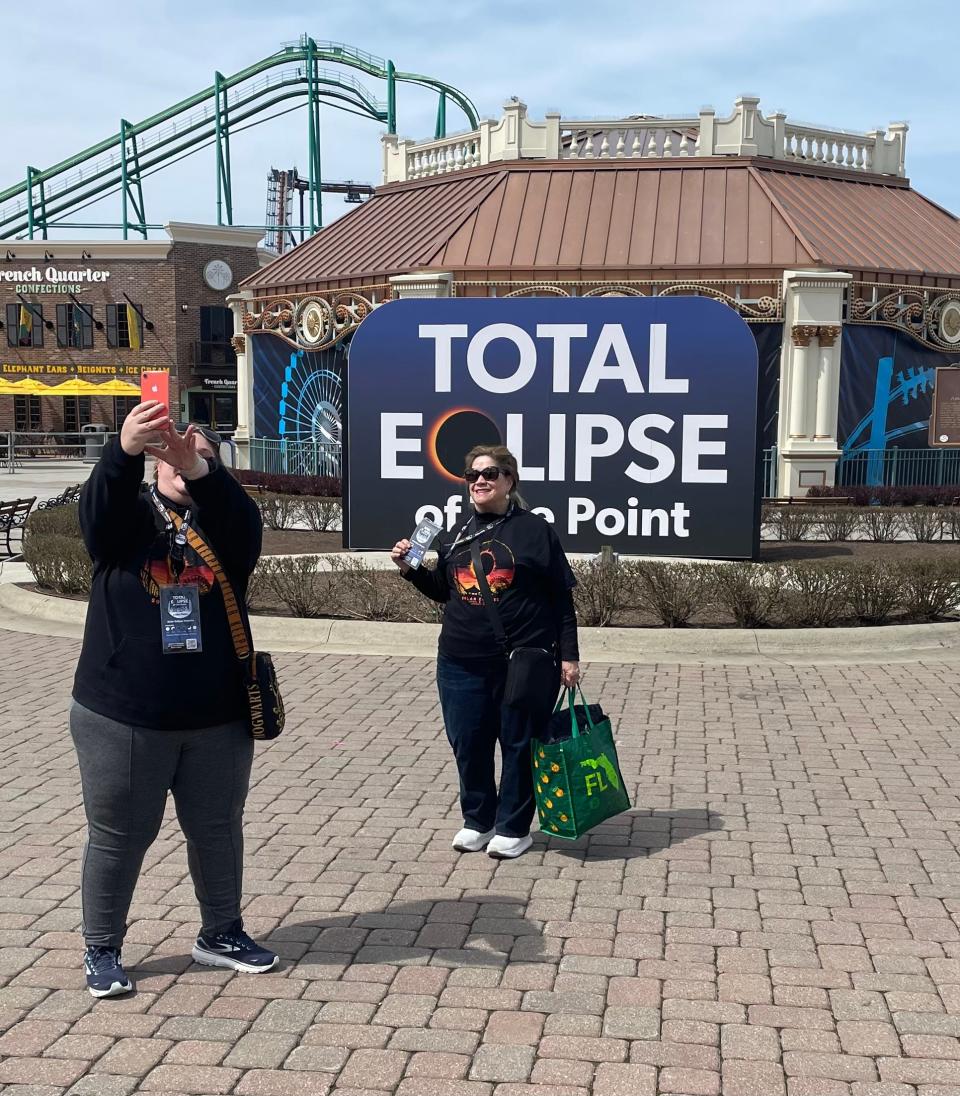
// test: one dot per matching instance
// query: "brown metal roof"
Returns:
(867, 225)
(565, 218)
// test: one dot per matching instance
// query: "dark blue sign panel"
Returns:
(633, 419)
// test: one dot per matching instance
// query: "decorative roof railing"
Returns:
(747, 132)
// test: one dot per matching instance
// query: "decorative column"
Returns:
(807, 450)
(801, 335)
(828, 383)
(245, 427)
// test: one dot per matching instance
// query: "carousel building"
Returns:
(848, 278)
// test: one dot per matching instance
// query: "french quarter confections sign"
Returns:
(633, 420)
(52, 279)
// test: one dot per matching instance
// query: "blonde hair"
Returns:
(506, 461)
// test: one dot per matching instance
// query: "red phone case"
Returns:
(155, 385)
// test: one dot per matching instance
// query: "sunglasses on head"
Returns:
(490, 474)
(204, 431)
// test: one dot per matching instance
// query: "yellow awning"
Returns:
(73, 387)
(24, 387)
(117, 388)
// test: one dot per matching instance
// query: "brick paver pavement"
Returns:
(778, 917)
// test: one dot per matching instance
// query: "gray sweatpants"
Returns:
(126, 773)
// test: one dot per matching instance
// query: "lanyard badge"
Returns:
(179, 603)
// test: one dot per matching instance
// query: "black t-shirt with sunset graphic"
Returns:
(528, 576)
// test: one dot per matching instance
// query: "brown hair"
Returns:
(507, 463)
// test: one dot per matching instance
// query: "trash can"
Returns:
(94, 436)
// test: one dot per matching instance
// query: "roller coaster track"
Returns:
(46, 198)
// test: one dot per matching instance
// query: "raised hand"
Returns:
(141, 427)
(179, 451)
(397, 553)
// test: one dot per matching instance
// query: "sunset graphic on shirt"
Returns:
(498, 565)
(156, 573)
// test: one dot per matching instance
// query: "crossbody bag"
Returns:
(533, 673)
(267, 716)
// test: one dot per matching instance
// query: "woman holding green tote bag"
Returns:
(508, 640)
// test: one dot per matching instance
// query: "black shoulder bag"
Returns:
(533, 673)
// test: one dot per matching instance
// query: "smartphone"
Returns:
(423, 536)
(155, 385)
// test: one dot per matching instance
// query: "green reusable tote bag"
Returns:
(577, 779)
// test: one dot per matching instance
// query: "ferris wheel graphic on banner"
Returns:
(310, 416)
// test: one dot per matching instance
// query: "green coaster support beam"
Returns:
(30, 173)
(391, 98)
(221, 120)
(313, 137)
(441, 127)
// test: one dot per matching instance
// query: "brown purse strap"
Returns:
(238, 631)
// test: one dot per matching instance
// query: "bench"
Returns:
(71, 494)
(12, 517)
(831, 500)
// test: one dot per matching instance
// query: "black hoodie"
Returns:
(123, 673)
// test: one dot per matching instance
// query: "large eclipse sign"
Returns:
(633, 419)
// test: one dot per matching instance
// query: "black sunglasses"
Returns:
(490, 474)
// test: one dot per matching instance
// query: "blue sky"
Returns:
(844, 63)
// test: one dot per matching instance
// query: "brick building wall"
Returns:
(161, 279)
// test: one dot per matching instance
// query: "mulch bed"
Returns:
(289, 542)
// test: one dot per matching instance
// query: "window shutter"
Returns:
(13, 325)
(63, 326)
(86, 328)
(113, 338)
(37, 327)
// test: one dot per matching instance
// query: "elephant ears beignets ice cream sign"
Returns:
(633, 419)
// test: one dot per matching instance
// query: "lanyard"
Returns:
(176, 538)
(462, 540)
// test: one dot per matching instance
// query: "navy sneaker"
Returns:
(105, 976)
(234, 949)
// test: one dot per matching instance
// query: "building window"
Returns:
(26, 414)
(24, 324)
(216, 330)
(122, 406)
(76, 412)
(124, 326)
(74, 326)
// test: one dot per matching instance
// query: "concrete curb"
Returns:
(40, 614)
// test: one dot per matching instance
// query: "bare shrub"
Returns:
(839, 522)
(297, 582)
(873, 591)
(321, 515)
(813, 595)
(602, 592)
(930, 588)
(749, 592)
(923, 523)
(673, 592)
(278, 511)
(882, 524)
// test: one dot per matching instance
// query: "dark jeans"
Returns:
(476, 720)
(126, 773)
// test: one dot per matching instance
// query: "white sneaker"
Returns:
(471, 840)
(506, 848)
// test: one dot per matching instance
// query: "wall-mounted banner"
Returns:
(634, 419)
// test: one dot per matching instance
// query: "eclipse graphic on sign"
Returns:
(455, 434)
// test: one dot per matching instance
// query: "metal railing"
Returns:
(769, 473)
(284, 456)
(19, 446)
(899, 468)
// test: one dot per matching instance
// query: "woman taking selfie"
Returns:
(521, 603)
(159, 703)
